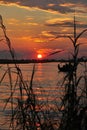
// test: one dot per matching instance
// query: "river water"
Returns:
(46, 85)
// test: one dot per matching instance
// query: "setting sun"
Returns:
(39, 56)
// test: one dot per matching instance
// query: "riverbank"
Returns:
(24, 61)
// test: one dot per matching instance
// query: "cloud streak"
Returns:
(49, 5)
(65, 23)
(42, 22)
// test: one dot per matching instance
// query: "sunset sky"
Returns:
(32, 24)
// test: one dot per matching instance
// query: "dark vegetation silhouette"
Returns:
(74, 113)
(25, 115)
(25, 111)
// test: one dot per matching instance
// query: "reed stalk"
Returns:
(24, 115)
(71, 101)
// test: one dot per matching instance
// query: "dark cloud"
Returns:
(77, 1)
(67, 24)
(53, 32)
(53, 5)
(5, 54)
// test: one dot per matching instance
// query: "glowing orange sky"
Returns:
(31, 27)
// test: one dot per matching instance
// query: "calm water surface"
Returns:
(46, 86)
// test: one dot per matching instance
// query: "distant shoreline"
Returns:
(22, 61)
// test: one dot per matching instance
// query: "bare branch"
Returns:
(55, 52)
(63, 37)
(81, 34)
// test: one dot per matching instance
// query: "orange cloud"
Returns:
(50, 5)
(58, 20)
(67, 4)
(13, 21)
(47, 34)
(29, 18)
(32, 23)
